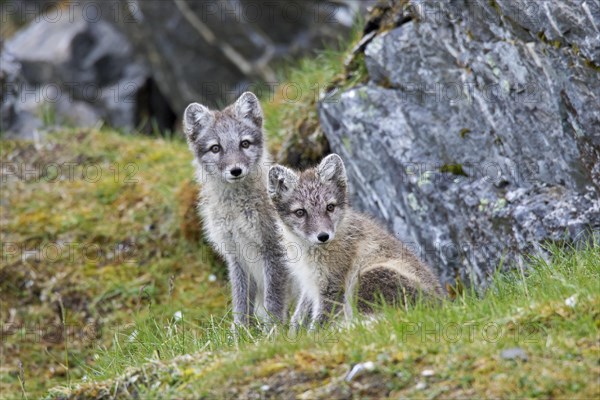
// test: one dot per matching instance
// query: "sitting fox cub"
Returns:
(338, 251)
(239, 219)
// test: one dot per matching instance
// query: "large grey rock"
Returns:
(78, 69)
(477, 135)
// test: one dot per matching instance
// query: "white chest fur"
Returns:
(303, 268)
(232, 221)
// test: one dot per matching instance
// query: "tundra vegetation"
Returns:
(108, 291)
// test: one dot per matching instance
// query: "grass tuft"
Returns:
(291, 119)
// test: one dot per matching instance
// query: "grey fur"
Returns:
(360, 258)
(239, 219)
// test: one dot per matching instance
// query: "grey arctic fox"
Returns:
(239, 219)
(341, 258)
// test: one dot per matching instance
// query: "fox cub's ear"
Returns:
(331, 169)
(282, 181)
(196, 118)
(247, 109)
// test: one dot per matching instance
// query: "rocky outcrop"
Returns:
(73, 70)
(476, 136)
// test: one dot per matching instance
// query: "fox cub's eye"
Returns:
(215, 148)
(300, 213)
(245, 144)
(330, 207)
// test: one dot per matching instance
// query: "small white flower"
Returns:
(427, 372)
(265, 388)
(571, 301)
(212, 278)
(178, 316)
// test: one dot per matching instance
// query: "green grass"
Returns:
(460, 342)
(291, 109)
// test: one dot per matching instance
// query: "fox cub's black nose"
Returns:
(236, 171)
(323, 237)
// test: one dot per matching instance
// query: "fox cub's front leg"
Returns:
(243, 290)
(331, 301)
(276, 286)
(302, 313)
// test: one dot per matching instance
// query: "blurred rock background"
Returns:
(139, 63)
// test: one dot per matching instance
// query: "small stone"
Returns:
(265, 388)
(132, 336)
(514, 353)
(212, 278)
(427, 372)
(571, 301)
(421, 386)
(359, 368)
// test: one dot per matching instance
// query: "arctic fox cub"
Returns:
(239, 219)
(337, 252)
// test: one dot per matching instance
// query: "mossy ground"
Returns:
(95, 234)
